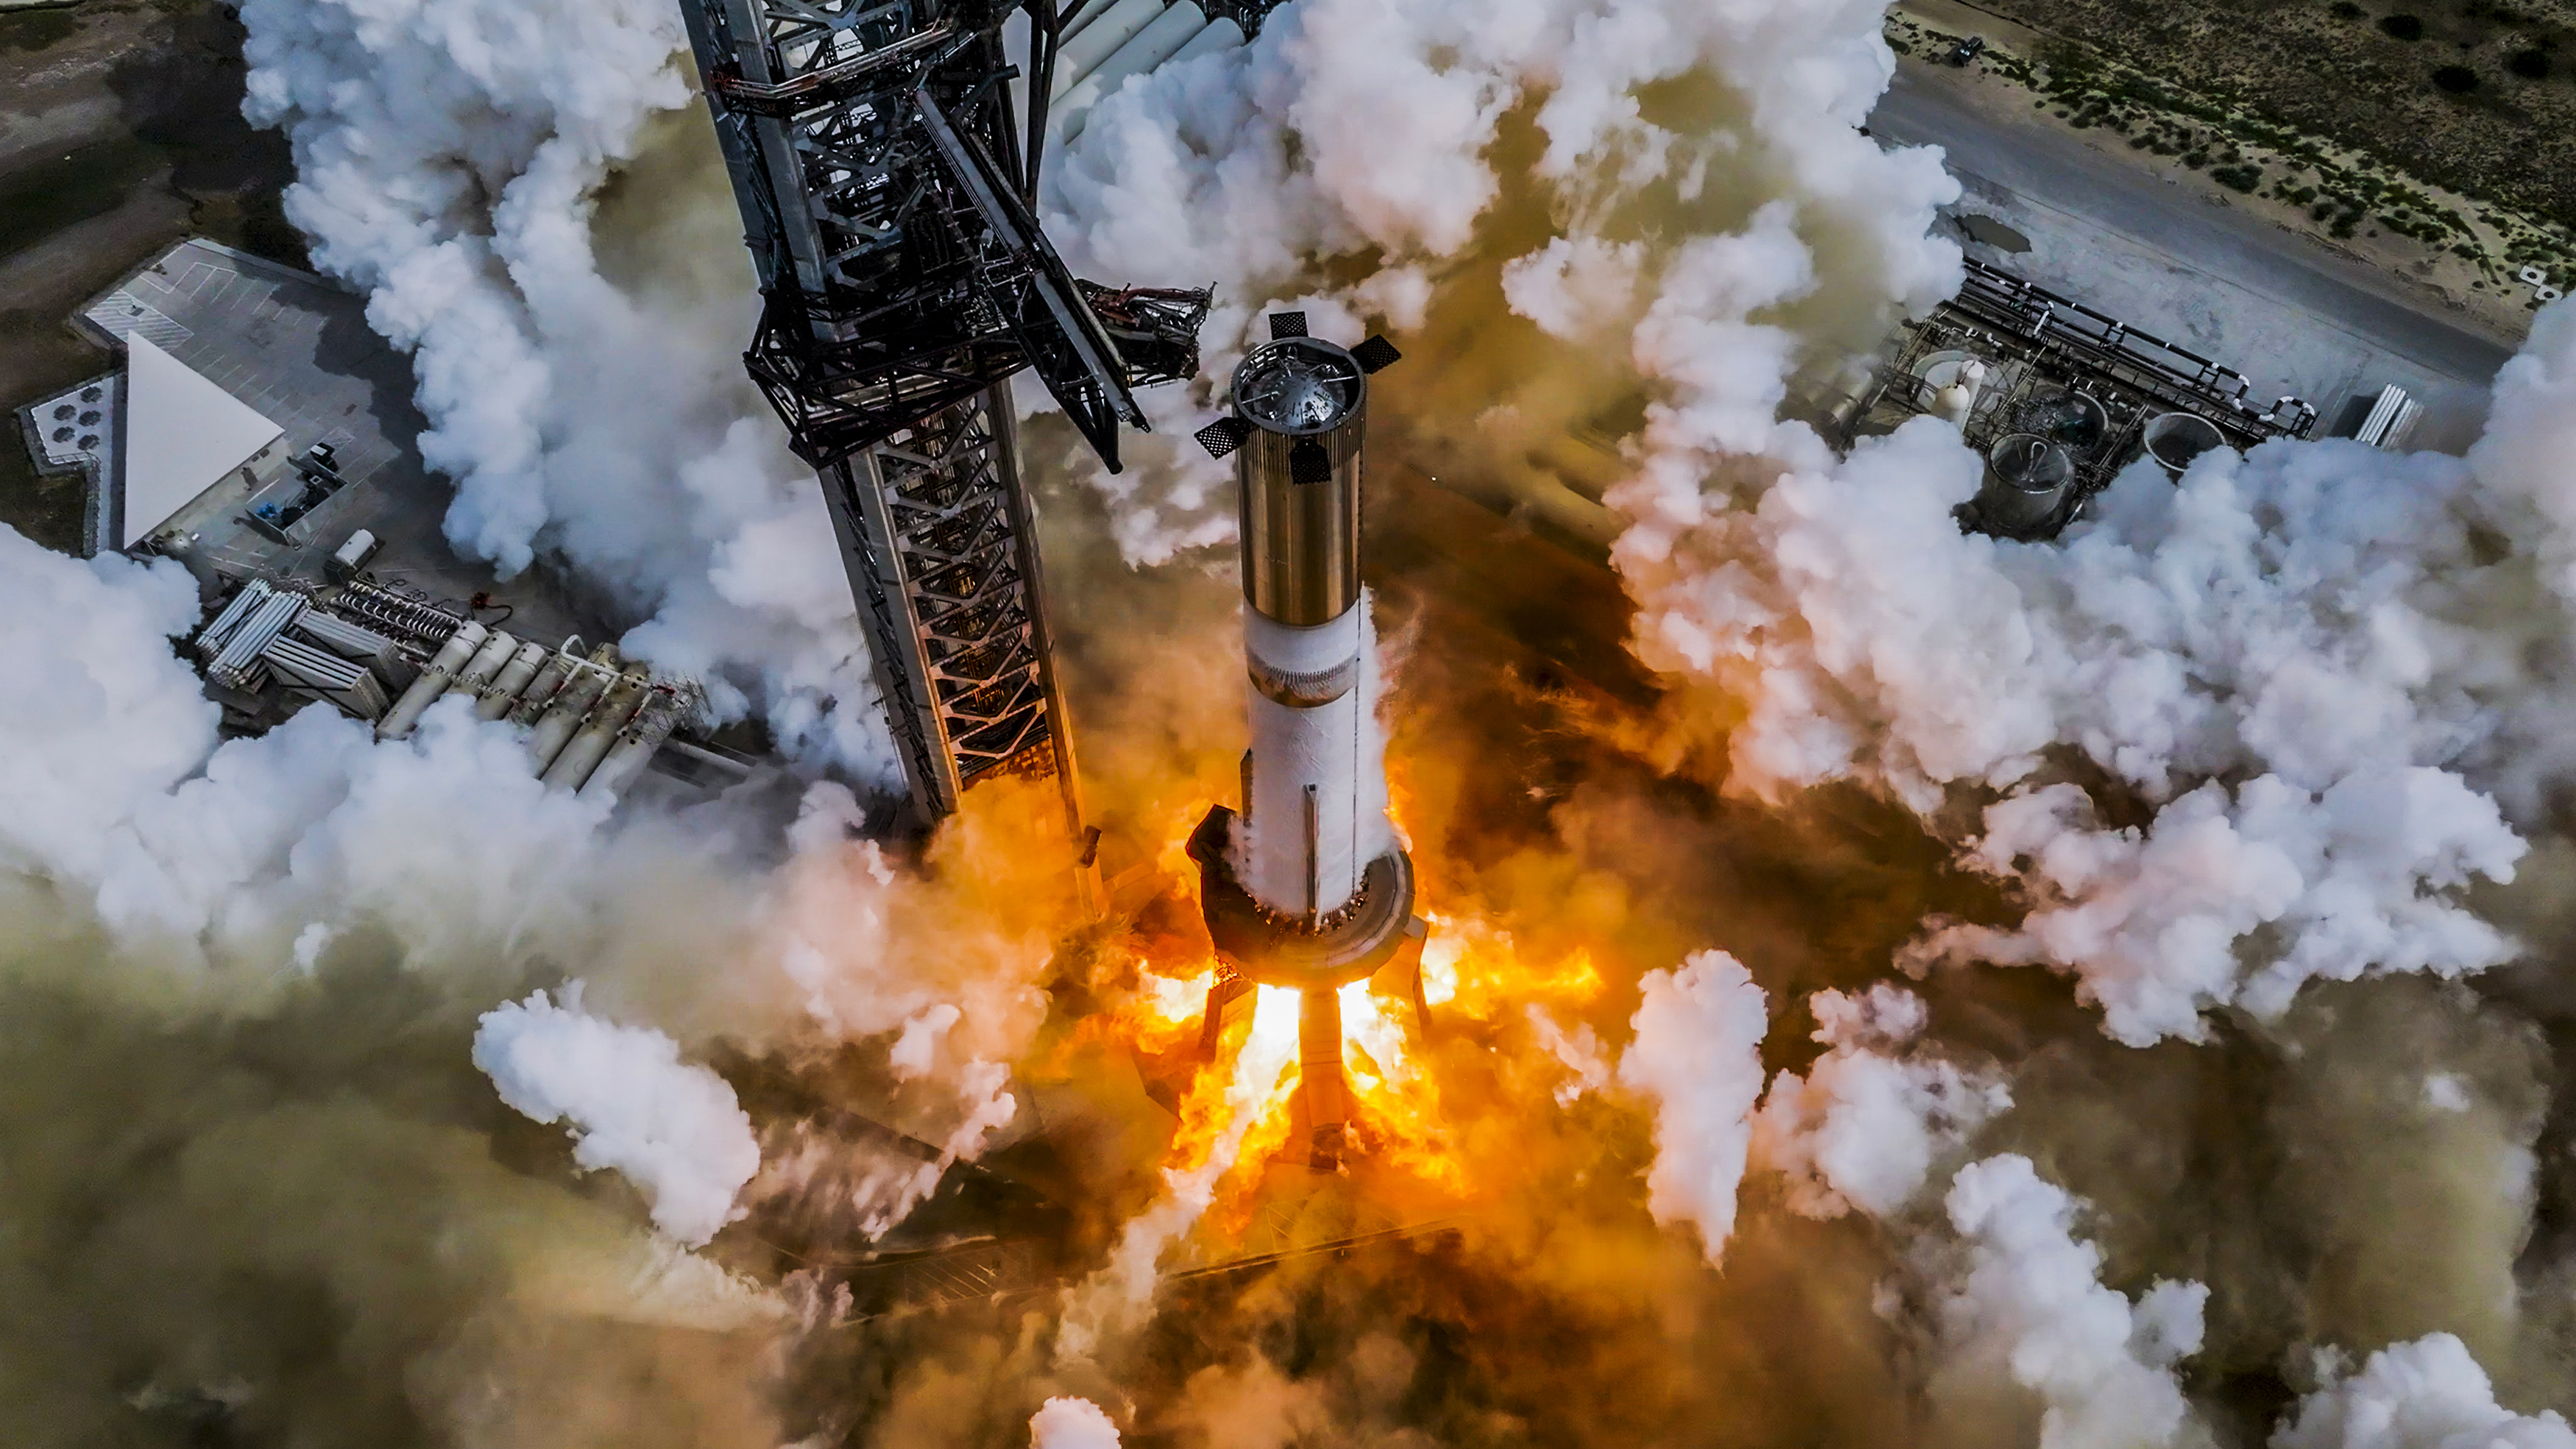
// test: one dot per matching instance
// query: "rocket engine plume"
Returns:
(1305, 887)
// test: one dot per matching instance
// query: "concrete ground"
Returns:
(298, 350)
(120, 132)
(2175, 260)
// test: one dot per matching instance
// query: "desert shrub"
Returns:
(2346, 10)
(2459, 80)
(2402, 27)
(2238, 178)
(2529, 64)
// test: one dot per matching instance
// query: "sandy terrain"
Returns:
(2449, 252)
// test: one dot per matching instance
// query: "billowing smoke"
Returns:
(2413, 1396)
(453, 163)
(1065, 1423)
(1863, 1128)
(674, 1129)
(2031, 1311)
(1695, 1056)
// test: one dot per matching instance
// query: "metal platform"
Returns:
(2041, 350)
(888, 195)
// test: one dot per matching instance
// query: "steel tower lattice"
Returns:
(888, 198)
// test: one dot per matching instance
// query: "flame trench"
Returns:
(1305, 887)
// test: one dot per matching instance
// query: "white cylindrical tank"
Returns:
(533, 700)
(487, 661)
(1220, 34)
(1315, 797)
(591, 743)
(1147, 48)
(1316, 791)
(504, 689)
(452, 656)
(1956, 401)
(564, 714)
(635, 746)
(1100, 39)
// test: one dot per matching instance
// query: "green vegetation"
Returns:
(2402, 27)
(2459, 80)
(2343, 190)
(2529, 64)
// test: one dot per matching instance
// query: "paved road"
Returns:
(2222, 280)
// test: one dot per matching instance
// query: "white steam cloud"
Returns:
(1064, 1423)
(1864, 1126)
(2031, 1310)
(1697, 1055)
(671, 1127)
(2428, 1394)
(450, 157)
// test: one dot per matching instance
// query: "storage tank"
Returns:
(532, 701)
(504, 689)
(565, 712)
(453, 655)
(590, 744)
(635, 746)
(2026, 481)
(487, 661)
(2174, 439)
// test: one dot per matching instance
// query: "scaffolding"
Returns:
(888, 195)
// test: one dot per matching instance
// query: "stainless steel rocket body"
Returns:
(1314, 813)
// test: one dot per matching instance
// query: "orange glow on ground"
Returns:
(1399, 1134)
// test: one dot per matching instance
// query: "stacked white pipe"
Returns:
(1110, 42)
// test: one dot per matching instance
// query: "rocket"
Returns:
(1305, 886)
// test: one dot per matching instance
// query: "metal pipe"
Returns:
(1162, 36)
(432, 682)
(487, 661)
(565, 712)
(573, 767)
(210, 640)
(1314, 863)
(532, 700)
(634, 748)
(503, 691)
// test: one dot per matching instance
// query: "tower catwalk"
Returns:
(888, 198)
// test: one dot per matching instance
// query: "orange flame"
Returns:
(1471, 972)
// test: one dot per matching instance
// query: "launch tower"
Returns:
(1305, 887)
(889, 196)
